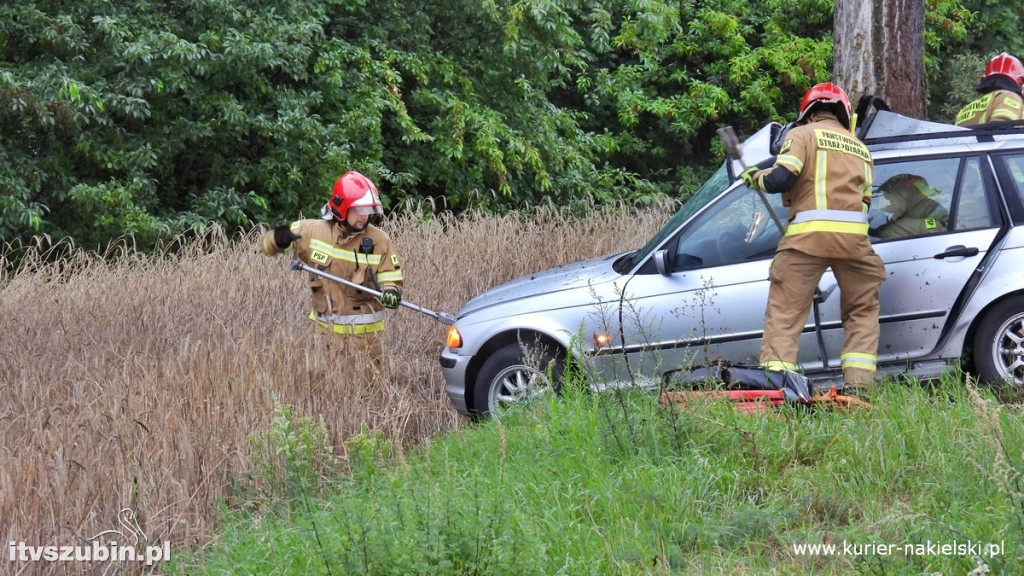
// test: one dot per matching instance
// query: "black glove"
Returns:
(283, 235)
(390, 298)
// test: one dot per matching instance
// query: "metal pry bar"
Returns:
(446, 319)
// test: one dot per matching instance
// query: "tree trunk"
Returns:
(852, 49)
(879, 49)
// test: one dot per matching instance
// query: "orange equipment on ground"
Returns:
(751, 389)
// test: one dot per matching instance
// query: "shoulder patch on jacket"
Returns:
(319, 257)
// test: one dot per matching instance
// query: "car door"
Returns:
(927, 264)
(711, 304)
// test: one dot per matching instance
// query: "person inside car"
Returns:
(911, 210)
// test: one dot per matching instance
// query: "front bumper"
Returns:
(453, 368)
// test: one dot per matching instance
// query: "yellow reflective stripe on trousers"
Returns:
(780, 366)
(859, 360)
(338, 328)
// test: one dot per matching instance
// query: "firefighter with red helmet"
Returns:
(343, 243)
(1001, 93)
(824, 174)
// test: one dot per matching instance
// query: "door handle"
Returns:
(957, 251)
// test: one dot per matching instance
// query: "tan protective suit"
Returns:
(355, 318)
(911, 210)
(827, 227)
(992, 107)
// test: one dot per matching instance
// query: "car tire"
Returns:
(999, 344)
(511, 376)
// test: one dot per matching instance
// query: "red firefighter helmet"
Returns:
(352, 191)
(1007, 66)
(826, 93)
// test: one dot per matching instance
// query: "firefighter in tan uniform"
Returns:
(911, 211)
(824, 175)
(344, 244)
(1001, 93)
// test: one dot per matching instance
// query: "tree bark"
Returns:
(879, 49)
(853, 47)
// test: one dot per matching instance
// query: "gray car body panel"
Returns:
(688, 317)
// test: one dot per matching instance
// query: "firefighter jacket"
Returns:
(366, 258)
(912, 212)
(829, 191)
(992, 107)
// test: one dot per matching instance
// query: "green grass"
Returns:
(616, 484)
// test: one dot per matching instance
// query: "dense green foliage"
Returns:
(613, 484)
(149, 119)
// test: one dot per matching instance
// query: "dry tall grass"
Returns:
(134, 381)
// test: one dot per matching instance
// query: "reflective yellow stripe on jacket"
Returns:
(321, 251)
(391, 276)
(318, 246)
(1008, 107)
(842, 221)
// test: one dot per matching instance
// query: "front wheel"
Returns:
(999, 344)
(513, 375)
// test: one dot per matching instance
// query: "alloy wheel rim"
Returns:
(518, 384)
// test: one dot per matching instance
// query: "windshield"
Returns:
(738, 226)
(715, 185)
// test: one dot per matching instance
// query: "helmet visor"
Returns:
(366, 210)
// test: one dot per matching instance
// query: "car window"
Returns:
(928, 197)
(912, 198)
(973, 208)
(714, 186)
(1013, 180)
(737, 228)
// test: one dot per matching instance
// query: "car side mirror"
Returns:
(661, 263)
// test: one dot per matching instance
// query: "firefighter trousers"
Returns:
(361, 355)
(794, 275)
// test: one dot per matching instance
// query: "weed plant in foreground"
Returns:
(577, 485)
(150, 382)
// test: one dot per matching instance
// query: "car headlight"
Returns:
(454, 338)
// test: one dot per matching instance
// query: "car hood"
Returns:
(562, 279)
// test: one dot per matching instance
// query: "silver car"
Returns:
(696, 292)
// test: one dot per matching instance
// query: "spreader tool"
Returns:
(446, 319)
